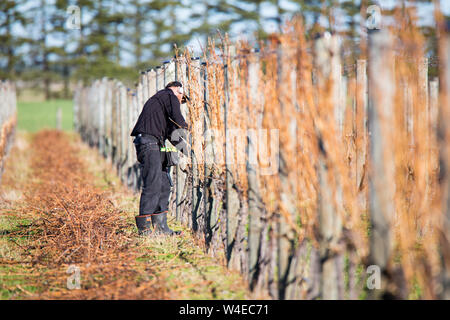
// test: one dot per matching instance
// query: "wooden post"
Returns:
(151, 82)
(434, 104)
(361, 132)
(381, 171)
(183, 183)
(360, 173)
(330, 224)
(59, 118)
(204, 200)
(114, 126)
(101, 110)
(129, 115)
(255, 205)
(159, 78)
(145, 92)
(286, 87)
(108, 118)
(77, 100)
(232, 200)
(122, 140)
(444, 139)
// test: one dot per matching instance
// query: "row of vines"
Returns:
(306, 173)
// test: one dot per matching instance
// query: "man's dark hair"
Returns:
(174, 84)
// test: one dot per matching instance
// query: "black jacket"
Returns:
(160, 116)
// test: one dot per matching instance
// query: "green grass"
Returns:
(34, 116)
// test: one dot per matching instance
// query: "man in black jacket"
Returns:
(159, 118)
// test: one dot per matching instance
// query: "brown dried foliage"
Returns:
(78, 224)
(289, 99)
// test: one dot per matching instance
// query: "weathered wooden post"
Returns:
(360, 161)
(232, 199)
(361, 132)
(123, 127)
(144, 93)
(59, 118)
(434, 104)
(114, 126)
(287, 215)
(257, 231)
(101, 114)
(444, 157)
(159, 78)
(381, 170)
(134, 116)
(330, 223)
(77, 100)
(151, 82)
(204, 200)
(178, 67)
(108, 119)
(117, 146)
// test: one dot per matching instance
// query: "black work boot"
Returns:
(159, 221)
(143, 224)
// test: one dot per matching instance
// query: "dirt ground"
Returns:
(67, 232)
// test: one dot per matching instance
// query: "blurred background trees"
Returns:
(117, 38)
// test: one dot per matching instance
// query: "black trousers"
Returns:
(156, 184)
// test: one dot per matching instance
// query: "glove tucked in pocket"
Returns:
(171, 157)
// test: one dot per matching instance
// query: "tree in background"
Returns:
(10, 58)
(119, 37)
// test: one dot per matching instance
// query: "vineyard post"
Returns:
(108, 118)
(182, 76)
(129, 156)
(232, 204)
(177, 73)
(254, 196)
(194, 80)
(92, 115)
(123, 122)
(434, 104)
(381, 171)
(287, 82)
(444, 135)
(159, 78)
(117, 118)
(360, 183)
(59, 118)
(205, 199)
(114, 127)
(361, 133)
(101, 115)
(151, 82)
(141, 92)
(137, 102)
(330, 224)
(87, 134)
(341, 98)
(144, 94)
(77, 95)
(424, 118)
